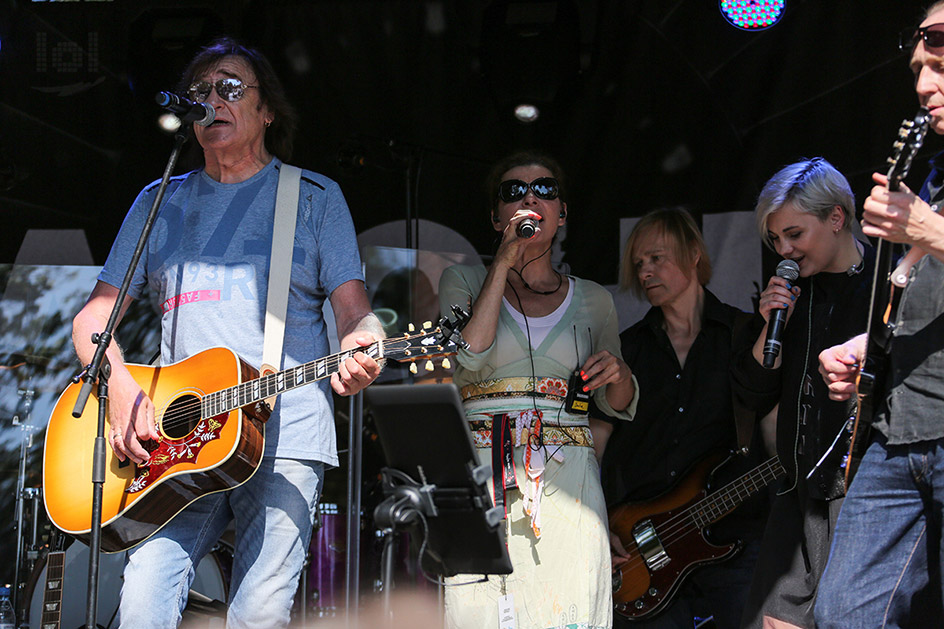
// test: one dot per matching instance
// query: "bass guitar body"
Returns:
(198, 452)
(647, 586)
(666, 537)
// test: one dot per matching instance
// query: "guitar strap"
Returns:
(280, 264)
(744, 418)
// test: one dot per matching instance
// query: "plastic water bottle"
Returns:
(7, 617)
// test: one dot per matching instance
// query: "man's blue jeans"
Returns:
(274, 511)
(884, 567)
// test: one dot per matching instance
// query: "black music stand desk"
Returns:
(432, 474)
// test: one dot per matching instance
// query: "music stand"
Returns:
(433, 474)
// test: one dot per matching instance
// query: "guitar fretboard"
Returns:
(728, 498)
(52, 597)
(226, 400)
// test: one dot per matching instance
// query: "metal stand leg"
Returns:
(22, 495)
(352, 556)
(387, 569)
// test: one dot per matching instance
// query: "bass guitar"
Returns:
(883, 308)
(210, 411)
(665, 537)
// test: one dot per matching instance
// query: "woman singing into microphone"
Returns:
(805, 213)
(538, 338)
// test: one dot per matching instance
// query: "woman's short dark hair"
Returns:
(682, 237)
(280, 136)
(521, 158)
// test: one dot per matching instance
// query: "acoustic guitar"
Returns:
(665, 536)
(210, 411)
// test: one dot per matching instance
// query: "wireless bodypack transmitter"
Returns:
(578, 400)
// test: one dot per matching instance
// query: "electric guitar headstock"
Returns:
(910, 138)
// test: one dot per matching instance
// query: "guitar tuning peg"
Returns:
(429, 365)
(427, 325)
(411, 328)
(446, 364)
(413, 369)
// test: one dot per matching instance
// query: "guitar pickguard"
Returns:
(171, 452)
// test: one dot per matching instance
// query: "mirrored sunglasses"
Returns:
(228, 89)
(512, 190)
(932, 34)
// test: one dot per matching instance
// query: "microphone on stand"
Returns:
(790, 271)
(186, 109)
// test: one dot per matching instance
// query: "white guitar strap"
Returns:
(280, 264)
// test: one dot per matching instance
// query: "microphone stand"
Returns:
(98, 372)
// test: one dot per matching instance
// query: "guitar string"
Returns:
(268, 387)
(672, 535)
(686, 522)
(268, 384)
(183, 413)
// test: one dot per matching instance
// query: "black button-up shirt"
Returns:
(683, 414)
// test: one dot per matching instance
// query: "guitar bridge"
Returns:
(650, 547)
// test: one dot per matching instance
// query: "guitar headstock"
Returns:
(910, 138)
(442, 341)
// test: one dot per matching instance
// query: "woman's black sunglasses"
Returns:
(932, 34)
(513, 190)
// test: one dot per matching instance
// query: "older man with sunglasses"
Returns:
(206, 268)
(885, 563)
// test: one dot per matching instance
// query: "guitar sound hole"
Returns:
(181, 417)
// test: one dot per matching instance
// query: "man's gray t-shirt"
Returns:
(205, 270)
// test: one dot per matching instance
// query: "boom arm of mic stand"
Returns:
(103, 339)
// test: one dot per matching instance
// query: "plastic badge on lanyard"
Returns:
(506, 612)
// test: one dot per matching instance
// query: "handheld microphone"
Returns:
(186, 109)
(527, 228)
(790, 271)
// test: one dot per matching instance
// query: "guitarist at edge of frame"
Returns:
(680, 353)
(206, 269)
(892, 512)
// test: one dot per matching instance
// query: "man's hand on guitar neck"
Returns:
(902, 217)
(839, 366)
(357, 326)
(358, 371)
